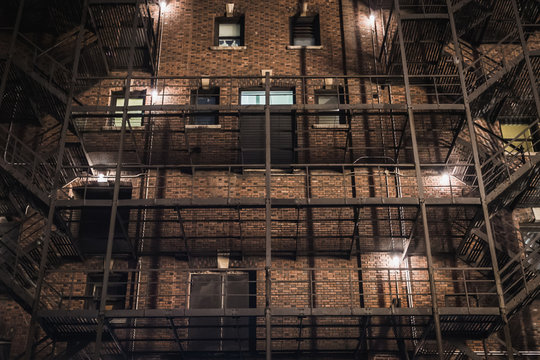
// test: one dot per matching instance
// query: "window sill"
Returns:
(330, 126)
(118, 128)
(300, 47)
(230, 48)
(194, 126)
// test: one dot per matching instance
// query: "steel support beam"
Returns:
(481, 187)
(116, 191)
(420, 183)
(268, 217)
(526, 54)
(276, 203)
(7, 68)
(33, 327)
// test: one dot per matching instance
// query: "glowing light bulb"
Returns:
(101, 178)
(155, 96)
(163, 5)
(395, 261)
(372, 19)
(445, 179)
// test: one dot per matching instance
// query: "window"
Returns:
(136, 98)
(305, 31)
(252, 128)
(258, 97)
(331, 116)
(116, 293)
(94, 222)
(229, 32)
(522, 135)
(205, 97)
(222, 291)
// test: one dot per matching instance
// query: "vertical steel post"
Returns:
(116, 191)
(268, 215)
(526, 56)
(9, 60)
(481, 187)
(53, 194)
(420, 184)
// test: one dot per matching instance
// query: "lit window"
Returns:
(258, 97)
(135, 99)
(229, 32)
(521, 136)
(305, 31)
(205, 97)
(330, 116)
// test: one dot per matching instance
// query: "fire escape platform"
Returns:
(276, 203)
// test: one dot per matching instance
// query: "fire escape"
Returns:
(460, 68)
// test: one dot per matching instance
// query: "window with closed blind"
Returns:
(305, 31)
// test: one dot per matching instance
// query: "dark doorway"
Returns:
(221, 291)
(94, 222)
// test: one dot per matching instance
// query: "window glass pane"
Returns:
(304, 41)
(521, 133)
(134, 121)
(328, 99)
(229, 30)
(207, 100)
(282, 97)
(229, 42)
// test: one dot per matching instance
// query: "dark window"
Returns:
(205, 97)
(222, 291)
(331, 116)
(252, 134)
(229, 31)
(5, 347)
(116, 292)
(94, 222)
(136, 98)
(305, 31)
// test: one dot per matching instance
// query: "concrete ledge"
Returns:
(202, 127)
(226, 48)
(330, 126)
(300, 47)
(118, 128)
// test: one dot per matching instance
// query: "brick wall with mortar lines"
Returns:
(244, 65)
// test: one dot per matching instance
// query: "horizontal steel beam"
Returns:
(260, 312)
(422, 16)
(89, 110)
(260, 202)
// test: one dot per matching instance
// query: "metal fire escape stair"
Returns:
(519, 267)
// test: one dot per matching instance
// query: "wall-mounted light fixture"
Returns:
(229, 9)
(205, 83)
(304, 8)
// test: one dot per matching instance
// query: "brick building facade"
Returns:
(294, 179)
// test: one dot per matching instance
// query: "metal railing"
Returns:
(291, 287)
(325, 181)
